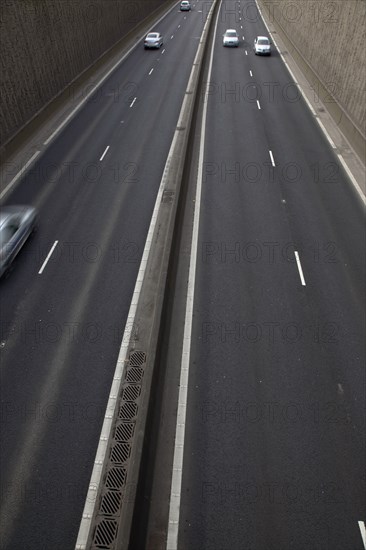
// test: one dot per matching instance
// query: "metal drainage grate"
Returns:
(124, 431)
(105, 533)
(120, 452)
(128, 411)
(116, 478)
(134, 374)
(131, 393)
(111, 503)
(137, 358)
(113, 492)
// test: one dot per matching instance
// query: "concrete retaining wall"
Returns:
(46, 44)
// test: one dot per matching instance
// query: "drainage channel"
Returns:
(115, 488)
(115, 513)
(150, 522)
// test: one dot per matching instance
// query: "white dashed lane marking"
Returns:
(361, 525)
(272, 159)
(104, 154)
(300, 268)
(48, 257)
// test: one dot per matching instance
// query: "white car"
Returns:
(230, 38)
(153, 40)
(185, 5)
(262, 45)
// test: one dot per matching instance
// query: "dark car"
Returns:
(16, 225)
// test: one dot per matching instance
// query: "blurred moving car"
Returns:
(16, 225)
(153, 40)
(185, 5)
(230, 38)
(262, 45)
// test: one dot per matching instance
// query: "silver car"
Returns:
(262, 45)
(153, 40)
(16, 225)
(185, 5)
(230, 38)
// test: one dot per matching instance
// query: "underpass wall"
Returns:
(46, 44)
(330, 37)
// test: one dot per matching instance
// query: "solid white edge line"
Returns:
(272, 159)
(326, 133)
(300, 268)
(79, 105)
(95, 479)
(19, 174)
(351, 176)
(258, 104)
(361, 525)
(104, 154)
(176, 486)
(100, 82)
(48, 257)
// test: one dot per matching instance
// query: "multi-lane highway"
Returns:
(62, 321)
(274, 452)
(274, 448)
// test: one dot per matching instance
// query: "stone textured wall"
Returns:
(330, 35)
(45, 44)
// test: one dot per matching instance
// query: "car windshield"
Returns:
(231, 33)
(152, 35)
(263, 41)
(6, 233)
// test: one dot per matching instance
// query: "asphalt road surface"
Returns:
(274, 453)
(63, 315)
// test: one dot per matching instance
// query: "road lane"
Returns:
(274, 446)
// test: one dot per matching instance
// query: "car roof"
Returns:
(266, 37)
(230, 30)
